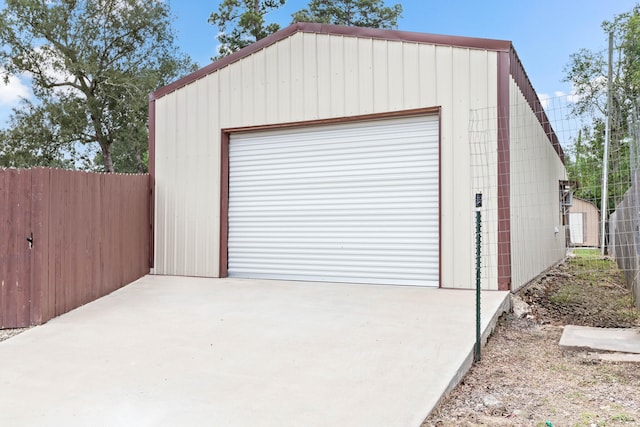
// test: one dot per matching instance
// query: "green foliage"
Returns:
(587, 253)
(93, 64)
(587, 71)
(21, 147)
(241, 22)
(358, 13)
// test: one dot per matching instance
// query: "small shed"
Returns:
(584, 223)
(343, 154)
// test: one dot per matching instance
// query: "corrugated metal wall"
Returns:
(536, 172)
(90, 235)
(306, 77)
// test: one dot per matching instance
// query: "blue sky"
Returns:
(544, 32)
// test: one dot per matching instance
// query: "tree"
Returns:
(358, 13)
(587, 71)
(241, 22)
(21, 145)
(93, 64)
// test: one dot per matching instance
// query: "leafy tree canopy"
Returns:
(358, 13)
(242, 22)
(587, 71)
(92, 64)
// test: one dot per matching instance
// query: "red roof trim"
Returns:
(304, 27)
(522, 80)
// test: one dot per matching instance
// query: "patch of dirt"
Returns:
(525, 379)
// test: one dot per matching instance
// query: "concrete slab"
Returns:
(603, 339)
(167, 351)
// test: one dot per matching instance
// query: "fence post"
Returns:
(478, 281)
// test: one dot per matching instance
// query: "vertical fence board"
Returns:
(22, 227)
(15, 254)
(5, 254)
(10, 314)
(39, 264)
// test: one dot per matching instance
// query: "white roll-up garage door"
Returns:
(354, 202)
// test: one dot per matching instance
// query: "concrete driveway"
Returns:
(176, 351)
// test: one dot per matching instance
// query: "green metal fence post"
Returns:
(478, 248)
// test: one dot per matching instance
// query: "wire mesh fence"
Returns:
(556, 204)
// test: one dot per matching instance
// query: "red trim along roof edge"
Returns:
(522, 80)
(305, 27)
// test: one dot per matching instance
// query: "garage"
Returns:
(324, 153)
(346, 202)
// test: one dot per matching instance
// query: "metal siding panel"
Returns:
(411, 77)
(298, 66)
(536, 171)
(210, 185)
(181, 161)
(380, 76)
(478, 88)
(444, 75)
(260, 103)
(191, 190)
(285, 91)
(353, 202)
(324, 76)
(351, 76)
(311, 83)
(337, 88)
(449, 256)
(166, 170)
(248, 89)
(272, 94)
(365, 75)
(236, 111)
(224, 96)
(463, 230)
(200, 166)
(428, 81)
(162, 179)
(395, 79)
(483, 94)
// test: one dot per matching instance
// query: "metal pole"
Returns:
(605, 157)
(478, 247)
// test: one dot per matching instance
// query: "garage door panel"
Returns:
(354, 203)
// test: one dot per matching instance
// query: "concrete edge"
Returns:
(504, 307)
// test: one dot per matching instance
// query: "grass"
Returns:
(591, 259)
(593, 288)
(588, 253)
(566, 294)
(622, 417)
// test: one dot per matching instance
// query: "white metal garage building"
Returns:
(342, 154)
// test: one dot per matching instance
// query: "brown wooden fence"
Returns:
(68, 238)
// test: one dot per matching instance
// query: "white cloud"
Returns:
(53, 67)
(544, 99)
(559, 98)
(12, 92)
(570, 98)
